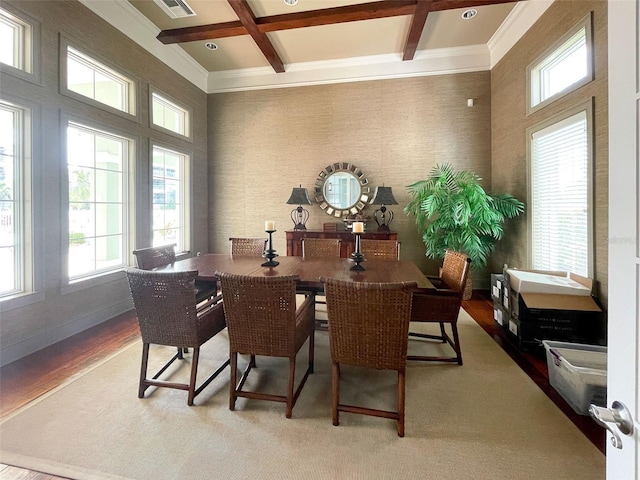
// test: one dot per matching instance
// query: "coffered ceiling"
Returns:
(247, 44)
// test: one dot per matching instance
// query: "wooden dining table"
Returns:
(308, 270)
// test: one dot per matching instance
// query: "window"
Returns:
(168, 115)
(98, 167)
(170, 198)
(92, 79)
(560, 195)
(15, 36)
(15, 218)
(19, 44)
(566, 67)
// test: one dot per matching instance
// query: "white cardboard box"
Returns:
(557, 283)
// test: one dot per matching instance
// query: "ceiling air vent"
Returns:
(176, 8)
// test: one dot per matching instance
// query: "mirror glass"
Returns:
(341, 190)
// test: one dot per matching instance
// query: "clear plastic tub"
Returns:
(579, 373)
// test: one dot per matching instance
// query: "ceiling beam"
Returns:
(288, 21)
(244, 13)
(439, 5)
(202, 32)
(331, 16)
(417, 26)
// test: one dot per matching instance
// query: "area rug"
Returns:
(483, 420)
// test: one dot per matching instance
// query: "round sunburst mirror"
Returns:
(342, 189)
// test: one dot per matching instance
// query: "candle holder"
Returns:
(270, 253)
(357, 257)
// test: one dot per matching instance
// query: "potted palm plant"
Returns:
(453, 211)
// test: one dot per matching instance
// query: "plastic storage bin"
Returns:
(579, 373)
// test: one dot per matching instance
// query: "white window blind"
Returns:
(560, 196)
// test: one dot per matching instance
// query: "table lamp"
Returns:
(383, 196)
(299, 215)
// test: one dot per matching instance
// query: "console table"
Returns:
(347, 245)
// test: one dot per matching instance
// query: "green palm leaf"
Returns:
(453, 211)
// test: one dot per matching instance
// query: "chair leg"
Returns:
(252, 361)
(401, 402)
(194, 373)
(442, 333)
(233, 380)
(335, 391)
(143, 370)
(292, 375)
(456, 342)
(312, 342)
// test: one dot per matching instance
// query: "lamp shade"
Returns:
(299, 196)
(383, 196)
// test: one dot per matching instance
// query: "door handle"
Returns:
(618, 417)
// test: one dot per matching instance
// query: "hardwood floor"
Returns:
(35, 375)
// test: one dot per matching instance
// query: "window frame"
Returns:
(31, 255)
(588, 108)
(187, 186)
(587, 23)
(94, 278)
(30, 49)
(133, 94)
(188, 114)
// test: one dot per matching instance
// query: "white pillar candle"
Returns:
(358, 227)
(269, 226)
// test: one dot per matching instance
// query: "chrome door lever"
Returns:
(617, 416)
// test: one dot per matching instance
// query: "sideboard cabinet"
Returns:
(347, 245)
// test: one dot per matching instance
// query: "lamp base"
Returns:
(299, 216)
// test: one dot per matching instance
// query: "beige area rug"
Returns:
(484, 420)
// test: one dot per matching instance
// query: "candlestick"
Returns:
(269, 226)
(270, 253)
(357, 257)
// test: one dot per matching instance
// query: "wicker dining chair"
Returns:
(154, 257)
(442, 305)
(321, 248)
(251, 247)
(368, 327)
(165, 304)
(262, 320)
(380, 249)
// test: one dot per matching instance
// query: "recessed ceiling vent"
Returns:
(176, 8)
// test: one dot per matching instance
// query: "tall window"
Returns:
(565, 67)
(98, 166)
(169, 115)
(16, 41)
(560, 174)
(170, 198)
(92, 79)
(14, 197)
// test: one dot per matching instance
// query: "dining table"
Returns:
(308, 271)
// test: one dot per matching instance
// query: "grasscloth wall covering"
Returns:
(263, 143)
(509, 123)
(60, 311)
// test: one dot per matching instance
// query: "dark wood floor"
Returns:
(33, 376)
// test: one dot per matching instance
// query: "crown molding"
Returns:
(378, 67)
(126, 18)
(517, 23)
